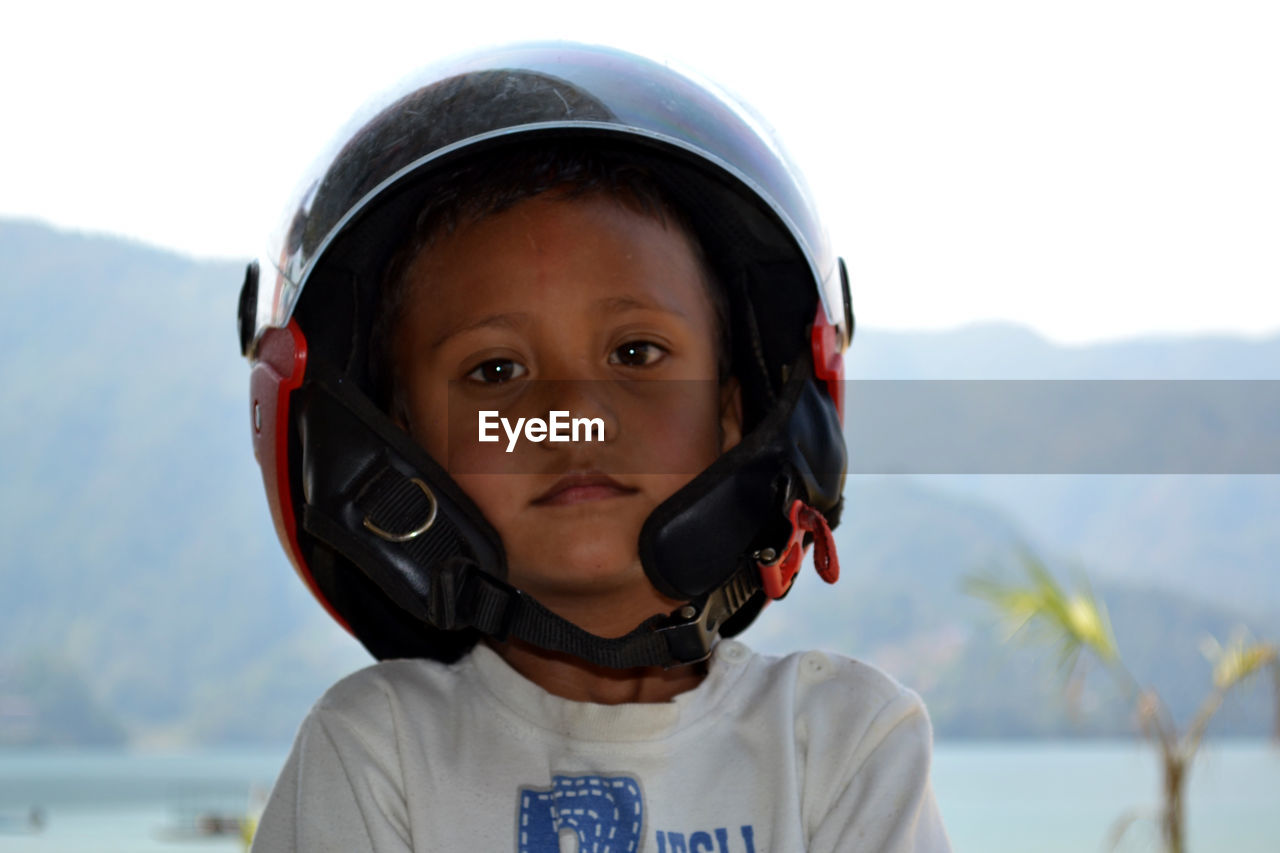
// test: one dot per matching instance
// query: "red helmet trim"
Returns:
(279, 365)
(828, 361)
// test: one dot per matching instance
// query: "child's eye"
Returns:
(637, 354)
(497, 370)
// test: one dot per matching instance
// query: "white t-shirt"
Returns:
(810, 752)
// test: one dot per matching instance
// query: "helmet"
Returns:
(378, 530)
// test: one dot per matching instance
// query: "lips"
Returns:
(581, 487)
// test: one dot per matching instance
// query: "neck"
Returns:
(571, 678)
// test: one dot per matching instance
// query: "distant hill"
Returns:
(1007, 351)
(1213, 537)
(145, 597)
(138, 546)
(905, 553)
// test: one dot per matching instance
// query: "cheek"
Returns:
(433, 439)
(493, 494)
(457, 436)
(678, 432)
(447, 427)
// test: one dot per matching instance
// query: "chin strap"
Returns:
(460, 595)
(434, 558)
(686, 635)
(455, 593)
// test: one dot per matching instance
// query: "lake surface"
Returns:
(996, 797)
(1055, 797)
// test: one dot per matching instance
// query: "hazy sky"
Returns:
(1091, 169)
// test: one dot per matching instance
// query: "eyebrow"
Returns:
(510, 320)
(619, 304)
(518, 319)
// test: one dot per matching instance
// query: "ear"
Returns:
(730, 414)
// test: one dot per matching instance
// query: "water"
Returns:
(117, 802)
(1055, 797)
(1046, 797)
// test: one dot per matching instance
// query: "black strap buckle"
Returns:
(694, 628)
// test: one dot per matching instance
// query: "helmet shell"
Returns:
(546, 88)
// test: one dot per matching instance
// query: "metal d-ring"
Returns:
(417, 531)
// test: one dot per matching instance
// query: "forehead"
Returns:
(557, 253)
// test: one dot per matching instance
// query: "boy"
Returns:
(559, 231)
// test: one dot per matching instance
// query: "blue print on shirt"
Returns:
(606, 813)
(700, 842)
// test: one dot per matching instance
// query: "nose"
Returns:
(584, 409)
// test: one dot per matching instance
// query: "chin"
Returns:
(586, 566)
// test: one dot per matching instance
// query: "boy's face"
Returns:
(498, 315)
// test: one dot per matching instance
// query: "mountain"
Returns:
(138, 547)
(1007, 351)
(1211, 536)
(147, 600)
(906, 551)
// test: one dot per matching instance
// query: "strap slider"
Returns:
(449, 602)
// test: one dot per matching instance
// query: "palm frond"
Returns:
(1240, 658)
(1076, 620)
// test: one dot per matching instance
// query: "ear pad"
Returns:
(695, 540)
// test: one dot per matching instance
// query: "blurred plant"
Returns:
(1077, 622)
